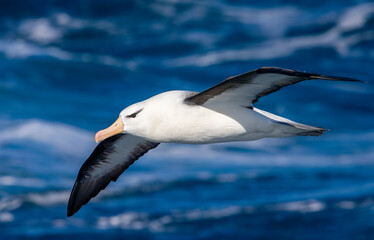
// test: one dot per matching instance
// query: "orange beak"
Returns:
(115, 128)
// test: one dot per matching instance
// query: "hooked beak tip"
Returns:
(115, 128)
(97, 136)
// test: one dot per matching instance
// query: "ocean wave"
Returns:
(40, 30)
(21, 49)
(40, 36)
(356, 16)
(264, 18)
(56, 136)
(310, 202)
(43, 199)
(20, 181)
(346, 204)
(10, 203)
(215, 213)
(307, 206)
(129, 186)
(6, 217)
(52, 29)
(273, 49)
(48, 199)
(353, 18)
(141, 220)
(351, 204)
(166, 222)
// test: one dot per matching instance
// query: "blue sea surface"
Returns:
(67, 68)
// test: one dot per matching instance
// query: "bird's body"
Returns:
(171, 120)
(222, 113)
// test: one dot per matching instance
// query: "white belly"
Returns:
(197, 124)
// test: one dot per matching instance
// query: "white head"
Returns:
(131, 120)
(142, 118)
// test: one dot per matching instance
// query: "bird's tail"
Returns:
(317, 132)
(304, 130)
(291, 127)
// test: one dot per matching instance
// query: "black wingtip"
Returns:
(305, 74)
(71, 210)
(69, 214)
(335, 78)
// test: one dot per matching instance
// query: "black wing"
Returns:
(106, 163)
(247, 88)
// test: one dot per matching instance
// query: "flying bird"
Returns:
(222, 113)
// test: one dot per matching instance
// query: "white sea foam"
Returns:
(356, 16)
(128, 220)
(268, 50)
(69, 22)
(10, 203)
(37, 33)
(40, 30)
(51, 29)
(306, 206)
(262, 18)
(59, 223)
(199, 214)
(166, 10)
(346, 204)
(57, 136)
(138, 220)
(22, 49)
(20, 181)
(265, 19)
(6, 217)
(229, 177)
(48, 199)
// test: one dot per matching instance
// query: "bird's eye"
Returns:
(134, 114)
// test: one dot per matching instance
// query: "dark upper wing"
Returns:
(109, 160)
(247, 88)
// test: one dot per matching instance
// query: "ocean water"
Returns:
(68, 68)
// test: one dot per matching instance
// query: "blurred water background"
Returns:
(67, 68)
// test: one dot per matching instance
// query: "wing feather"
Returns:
(247, 88)
(106, 163)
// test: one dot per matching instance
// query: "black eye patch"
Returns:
(134, 114)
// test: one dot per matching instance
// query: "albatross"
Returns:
(222, 113)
